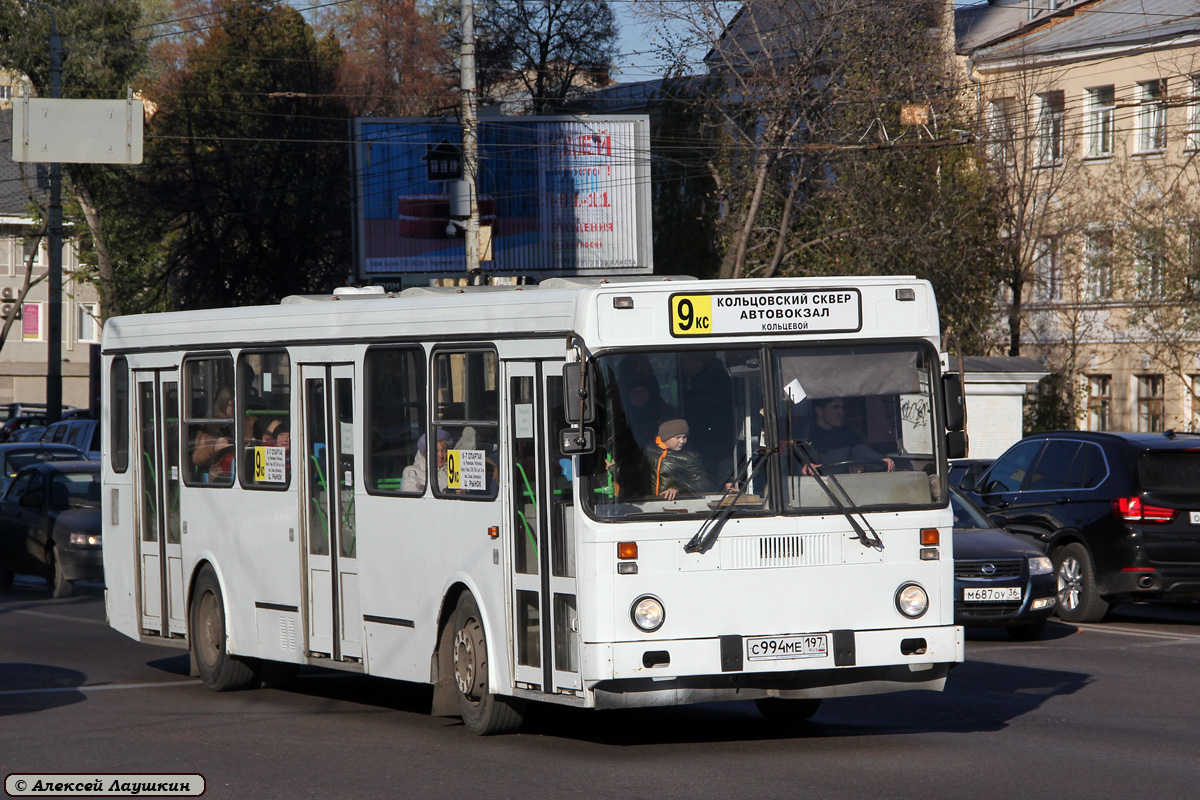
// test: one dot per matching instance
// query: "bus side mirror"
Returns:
(576, 441)
(956, 410)
(956, 444)
(575, 391)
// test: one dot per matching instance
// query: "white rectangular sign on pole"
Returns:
(58, 131)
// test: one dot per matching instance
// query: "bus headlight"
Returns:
(648, 613)
(911, 600)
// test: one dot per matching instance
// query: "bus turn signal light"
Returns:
(626, 550)
(930, 537)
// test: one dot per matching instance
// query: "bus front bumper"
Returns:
(672, 672)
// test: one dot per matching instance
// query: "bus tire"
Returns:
(787, 712)
(59, 585)
(220, 671)
(483, 713)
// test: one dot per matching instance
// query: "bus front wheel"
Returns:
(220, 671)
(483, 713)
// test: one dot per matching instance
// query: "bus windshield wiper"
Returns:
(703, 541)
(808, 457)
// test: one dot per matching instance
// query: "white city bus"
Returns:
(273, 495)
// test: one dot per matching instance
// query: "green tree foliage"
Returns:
(100, 50)
(247, 172)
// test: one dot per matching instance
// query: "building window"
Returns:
(1099, 402)
(1101, 109)
(1150, 403)
(1149, 254)
(1002, 129)
(1152, 116)
(1051, 108)
(1098, 254)
(1047, 269)
(1194, 383)
(1193, 129)
(88, 323)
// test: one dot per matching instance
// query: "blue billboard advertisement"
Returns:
(559, 195)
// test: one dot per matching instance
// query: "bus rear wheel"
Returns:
(220, 671)
(787, 712)
(483, 713)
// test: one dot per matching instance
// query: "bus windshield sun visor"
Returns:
(844, 373)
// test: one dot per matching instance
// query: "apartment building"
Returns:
(1090, 115)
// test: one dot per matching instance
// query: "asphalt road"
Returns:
(1094, 711)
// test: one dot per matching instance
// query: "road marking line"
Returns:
(101, 688)
(63, 616)
(1135, 632)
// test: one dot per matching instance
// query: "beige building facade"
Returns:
(1090, 117)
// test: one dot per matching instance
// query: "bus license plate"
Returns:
(777, 648)
(984, 594)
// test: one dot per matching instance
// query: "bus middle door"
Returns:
(327, 486)
(160, 556)
(546, 618)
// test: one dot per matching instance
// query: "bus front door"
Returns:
(546, 619)
(334, 615)
(160, 557)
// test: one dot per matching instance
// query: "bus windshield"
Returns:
(682, 432)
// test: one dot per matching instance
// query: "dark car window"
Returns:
(1054, 467)
(1169, 471)
(1089, 469)
(19, 486)
(1009, 471)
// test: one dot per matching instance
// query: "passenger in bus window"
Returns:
(644, 408)
(413, 478)
(835, 443)
(675, 468)
(213, 448)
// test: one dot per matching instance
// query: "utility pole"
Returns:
(54, 324)
(470, 137)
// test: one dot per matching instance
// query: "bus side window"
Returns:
(208, 422)
(466, 407)
(264, 411)
(395, 381)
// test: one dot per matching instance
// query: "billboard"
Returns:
(562, 196)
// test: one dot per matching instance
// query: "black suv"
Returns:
(1118, 513)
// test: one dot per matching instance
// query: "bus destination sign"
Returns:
(783, 312)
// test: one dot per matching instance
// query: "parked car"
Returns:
(50, 525)
(78, 431)
(14, 455)
(962, 467)
(1118, 513)
(10, 410)
(19, 423)
(999, 580)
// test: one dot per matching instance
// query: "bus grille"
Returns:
(1006, 568)
(777, 551)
